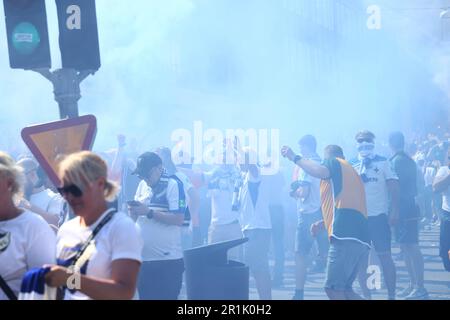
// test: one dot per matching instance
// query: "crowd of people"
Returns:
(117, 225)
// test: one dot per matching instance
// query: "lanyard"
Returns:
(97, 229)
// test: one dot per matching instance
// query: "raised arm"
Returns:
(310, 167)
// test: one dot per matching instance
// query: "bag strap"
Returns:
(7, 289)
(97, 229)
(61, 290)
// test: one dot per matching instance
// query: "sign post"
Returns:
(28, 43)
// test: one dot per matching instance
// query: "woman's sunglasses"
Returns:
(72, 189)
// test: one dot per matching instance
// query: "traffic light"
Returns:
(27, 33)
(78, 34)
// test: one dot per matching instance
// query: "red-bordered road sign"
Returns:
(49, 141)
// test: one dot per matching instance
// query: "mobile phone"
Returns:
(133, 203)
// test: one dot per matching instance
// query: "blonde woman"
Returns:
(99, 251)
(26, 240)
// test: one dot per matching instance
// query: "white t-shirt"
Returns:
(161, 241)
(48, 201)
(26, 242)
(118, 239)
(441, 174)
(255, 216)
(375, 178)
(429, 175)
(221, 186)
(312, 203)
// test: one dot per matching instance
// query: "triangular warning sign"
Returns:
(49, 141)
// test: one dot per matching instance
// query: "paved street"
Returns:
(437, 280)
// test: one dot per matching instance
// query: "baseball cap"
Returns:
(365, 134)
(146, 162)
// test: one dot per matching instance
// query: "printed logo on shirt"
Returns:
(367, 179)
(5, 240)
(68, 254)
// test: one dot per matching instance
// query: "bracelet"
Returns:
(297, 158)
(150, 214)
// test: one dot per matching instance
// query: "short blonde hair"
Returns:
(10, 170)
(82, 168)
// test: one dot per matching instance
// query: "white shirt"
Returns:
(161, 241)
(255, 216)
(376, 176)
(441, 174)
(26, 242)
(48, 201)
(222, 182)
(118, 239)
(429, 175)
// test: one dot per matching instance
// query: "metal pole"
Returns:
(66, 88)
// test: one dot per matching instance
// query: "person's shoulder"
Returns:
(401, 159)
(354, 162)
(34, 222)
(403, 156)
(121, 217)
(31, 218)
(182, 176)
(184, 179)
(174, 180)
(53, 195)
(331, 162)
(122, 223)
(394, 157)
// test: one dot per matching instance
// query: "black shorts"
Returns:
(444, 243)
(407, 231)
(380, 233)
(160, 280)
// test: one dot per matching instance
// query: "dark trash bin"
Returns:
(211, 276)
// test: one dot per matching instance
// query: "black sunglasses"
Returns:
(72, 189)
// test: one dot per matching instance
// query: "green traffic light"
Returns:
(25, 38)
